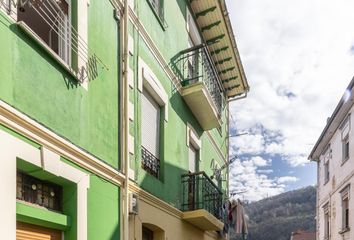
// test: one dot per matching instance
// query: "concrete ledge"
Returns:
(41, 216)
(203, 220)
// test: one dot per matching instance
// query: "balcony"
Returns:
(201, 201)
(201, 88)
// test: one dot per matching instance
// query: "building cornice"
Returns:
(22, 124)
(154, 201)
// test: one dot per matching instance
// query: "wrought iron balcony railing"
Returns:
(150, 163)
(200, 192)
(195, 65)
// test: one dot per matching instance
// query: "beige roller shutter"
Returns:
(26, 231)
(150, 127)
(192, 159)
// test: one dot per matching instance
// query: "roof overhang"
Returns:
(333, 122)
(215, 27)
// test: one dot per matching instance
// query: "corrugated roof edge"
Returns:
(330, 122)
(225, 12)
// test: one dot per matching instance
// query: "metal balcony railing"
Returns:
(150, 163)
(195, 65)
(200, 192)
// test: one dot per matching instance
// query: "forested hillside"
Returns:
(276, 217)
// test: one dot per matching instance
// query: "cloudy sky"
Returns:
(299, 58)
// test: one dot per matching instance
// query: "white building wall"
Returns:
(341, 174)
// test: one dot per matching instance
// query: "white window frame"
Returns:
(345, 197)
(193, 140)
(327, 156)
(326, 221)
(82, 30)
(326, 172)
(345, 149)
(148, 80)
(12, 148)
(345, 128)
(192, 28)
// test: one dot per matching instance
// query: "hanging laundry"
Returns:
(237, 221)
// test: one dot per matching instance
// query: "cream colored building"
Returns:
(334, 154)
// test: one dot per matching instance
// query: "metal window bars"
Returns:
(200, 192)
(50, 13)
(194, 65)
(36, 191)
(150, 163)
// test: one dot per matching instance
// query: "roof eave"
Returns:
(330, 126)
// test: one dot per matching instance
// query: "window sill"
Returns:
(41, 216)
(22, 25)
(344, 161)
(344, 230)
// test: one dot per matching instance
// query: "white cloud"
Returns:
(298, 57)
(265, 171)
(287, 179)
(260, 162)
(247, 177)
(301, 49)
(250, 144)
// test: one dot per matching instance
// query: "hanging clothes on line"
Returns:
(237, 220)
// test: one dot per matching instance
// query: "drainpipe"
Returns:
(125, 121)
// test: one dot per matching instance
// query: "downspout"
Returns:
(125, 121)
(228, 151)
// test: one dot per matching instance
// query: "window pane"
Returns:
(49, 20)
(147, 234)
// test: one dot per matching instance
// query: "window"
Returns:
(345, 146)
(150, 138)
(147, 234)
(327, 156)
(193, 57)
(345, 208)
(42, 193)
(326, 172)
(326, 221)
(194, 145)
(193, 158)
(50, 21)
(345, 129)
(158, 8)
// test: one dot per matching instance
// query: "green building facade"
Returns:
(113, 121)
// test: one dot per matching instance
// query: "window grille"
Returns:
(36, 191)
(150, 163)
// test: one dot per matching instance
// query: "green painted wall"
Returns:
(174, 154)
(33, 82)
